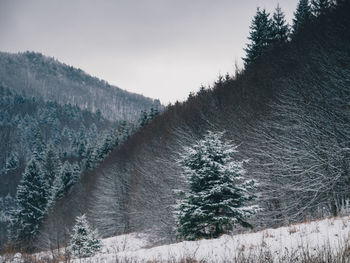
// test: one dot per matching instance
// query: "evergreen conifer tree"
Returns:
(75, 172)
(38, 147)
(81, 147)
(7, 205)
(51, 166)
(280, 29)
(89, 161)
(12, 162)
(31, 202)
(218, 193)
(320, 7)
(143, 118)
(154, 112)
(109, 141)
(84, 240)
(260, 36)
(124, 131)
(68, 176)
(63, 182)
(302, 15)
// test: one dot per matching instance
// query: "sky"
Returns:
(162, 49)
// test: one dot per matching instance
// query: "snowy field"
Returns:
(329, 235)
(325, 235)
(317, 236)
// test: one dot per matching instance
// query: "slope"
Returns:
(288, 112)
(316, 241)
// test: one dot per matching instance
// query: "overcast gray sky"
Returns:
(160, 48)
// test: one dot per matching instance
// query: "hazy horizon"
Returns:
(161, 49)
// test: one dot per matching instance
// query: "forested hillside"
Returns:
(28, 125)
(39, 76)
(63, 141)
(288, 114)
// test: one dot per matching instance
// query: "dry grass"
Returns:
(292, 230)
(303, 255)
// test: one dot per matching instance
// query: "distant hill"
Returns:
(37, 75)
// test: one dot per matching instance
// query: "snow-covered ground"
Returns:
(285, 242)
(130, 242)
(324, 236)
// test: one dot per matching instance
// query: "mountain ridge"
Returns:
(39, 75)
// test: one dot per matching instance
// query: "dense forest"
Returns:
(27, 124)
(37, 75)
(64, 138)
(285, 117)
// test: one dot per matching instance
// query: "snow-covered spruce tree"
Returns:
(302, 15)
(219, 195)
(146, 117)
(125, 129)
(280, 29)
(143, 120)
(67, 177)
(12, 162)
(108, 143)
(89, 159)
(82, 140)
(320, 7)
(7, 205)
(38, 146)
(84, 240)
(31, 206)
(154, 112)
(51, 166)
(260, 36)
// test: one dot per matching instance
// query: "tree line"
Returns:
(266, 31)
